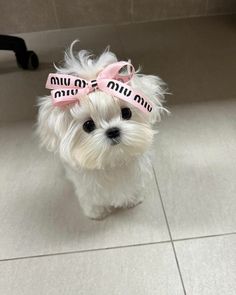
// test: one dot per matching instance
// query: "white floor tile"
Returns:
(208, 265)
(148, 270)
(196, 168)
(40, 214)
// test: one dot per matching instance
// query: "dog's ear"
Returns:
(154, 89)
(52, 123)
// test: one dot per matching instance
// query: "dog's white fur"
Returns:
(105, 176)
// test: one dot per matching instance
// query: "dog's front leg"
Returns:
(93, 211)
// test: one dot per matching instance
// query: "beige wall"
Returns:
(19, 16)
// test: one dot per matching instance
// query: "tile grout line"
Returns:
(168, 227)
(132, 11)
(206, 7)
(204, 237)
(115, 247)
(56, 15)
(85, 251)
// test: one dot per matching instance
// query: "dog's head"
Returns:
(100, 130)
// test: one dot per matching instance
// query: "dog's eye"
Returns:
(126, 113)
(89, 126)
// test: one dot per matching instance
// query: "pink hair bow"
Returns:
(67, 89)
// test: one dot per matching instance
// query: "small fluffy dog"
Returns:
(99, 119)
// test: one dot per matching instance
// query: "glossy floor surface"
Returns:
(182, 238)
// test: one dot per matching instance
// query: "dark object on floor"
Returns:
(26, 59)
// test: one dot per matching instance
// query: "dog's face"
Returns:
(100, 130)
(106, 132)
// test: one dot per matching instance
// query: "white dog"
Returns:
(99, 120)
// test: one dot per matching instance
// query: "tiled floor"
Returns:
(44, 234)
(182, 238)
(40, 211)
(196, 168)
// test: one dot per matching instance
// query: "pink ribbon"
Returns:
(67, 89)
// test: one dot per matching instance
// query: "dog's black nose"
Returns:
(113, 132)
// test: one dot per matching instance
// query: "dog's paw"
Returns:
(96, 213)
(134, 202)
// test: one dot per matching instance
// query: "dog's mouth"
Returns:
(115, 141)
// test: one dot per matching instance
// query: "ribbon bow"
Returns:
(67, 89)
